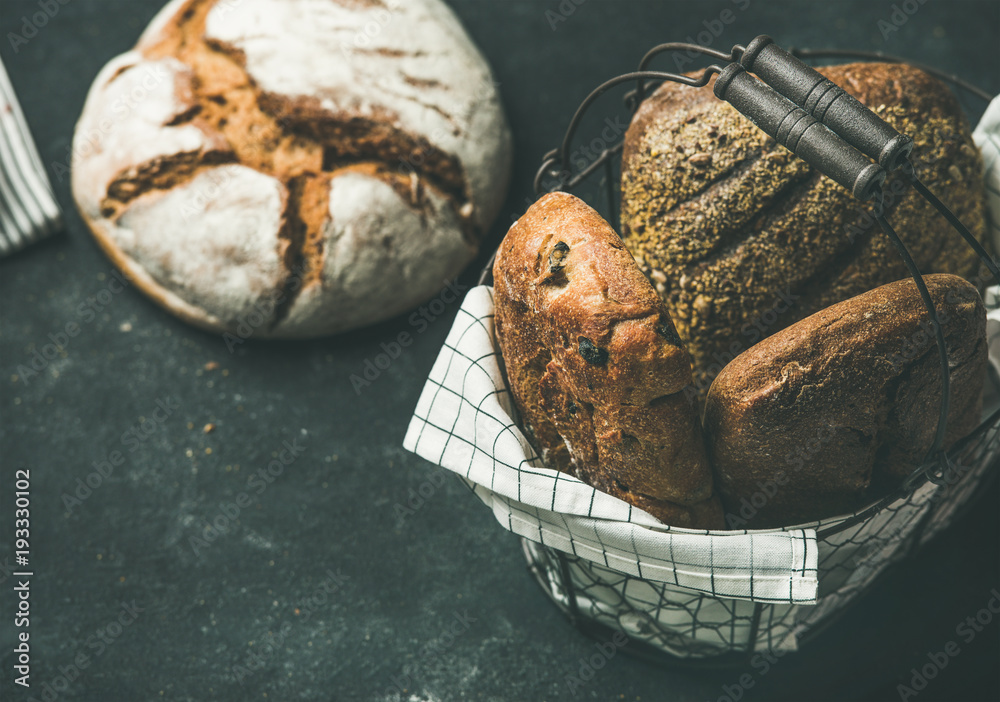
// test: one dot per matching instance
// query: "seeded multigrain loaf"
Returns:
(595, 365)
(292, 167)
(839, 407)
(742, 239)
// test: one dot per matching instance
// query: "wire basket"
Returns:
(713, 631)
(695, 626)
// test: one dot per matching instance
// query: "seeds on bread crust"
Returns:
(723, 219)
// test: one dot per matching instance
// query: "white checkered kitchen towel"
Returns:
(987, 137)
(28, 209)
(464, 422)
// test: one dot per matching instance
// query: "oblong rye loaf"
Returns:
(828, 413)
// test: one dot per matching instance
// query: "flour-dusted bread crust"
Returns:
(293, 167)
(835, 410)
(595, 366)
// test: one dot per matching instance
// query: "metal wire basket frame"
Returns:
(566, 578)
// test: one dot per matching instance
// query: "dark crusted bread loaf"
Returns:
(595, 365)
(742, 238)
(816, 419)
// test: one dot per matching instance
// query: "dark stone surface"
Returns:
(400, 585)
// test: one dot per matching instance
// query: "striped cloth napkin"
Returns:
(28, 209)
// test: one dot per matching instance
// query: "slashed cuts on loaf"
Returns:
(595, 366)
(324, 164)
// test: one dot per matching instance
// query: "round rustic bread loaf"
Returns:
(742, 238)
(292, 167)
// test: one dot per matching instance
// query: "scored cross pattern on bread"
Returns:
(324, 164)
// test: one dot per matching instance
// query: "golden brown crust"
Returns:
(595, 365)
(820, 417)
(742, 239)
